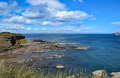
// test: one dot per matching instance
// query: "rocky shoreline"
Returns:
(36, 47)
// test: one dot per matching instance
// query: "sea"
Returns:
(103, 52)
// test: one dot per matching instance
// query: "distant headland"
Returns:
(117, 32)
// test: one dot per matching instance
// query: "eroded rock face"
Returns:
(8, 39)
(117, 32)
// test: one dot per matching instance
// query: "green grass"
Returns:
(9, 34)
(14, 71)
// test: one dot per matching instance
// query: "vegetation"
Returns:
(9, 34)
(8, 70)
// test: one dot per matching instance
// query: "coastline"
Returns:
(23, 54)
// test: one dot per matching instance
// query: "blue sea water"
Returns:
(103, 51)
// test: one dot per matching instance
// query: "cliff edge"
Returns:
(11, 40)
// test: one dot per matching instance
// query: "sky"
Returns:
(59, 16)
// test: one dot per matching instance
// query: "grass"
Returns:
(8, 70)
(9, 34)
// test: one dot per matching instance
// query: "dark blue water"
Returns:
(103, 51)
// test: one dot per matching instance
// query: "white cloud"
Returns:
(41, 13)
(3, 5)
(115, 23)
(35, 29)
(68, 29)
(14, 6)
(51, 23)
(3, 8)
(34, 15)
(80, 0)
(6, 8)
(46, 22)
(44, 29)
(12, 27)
(51, 3)
(15, 19)
(28, 29)
(36, 12)
(20, 20)
(70, 15)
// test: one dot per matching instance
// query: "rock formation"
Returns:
(117, 32)
(10, 40)
(115, 75)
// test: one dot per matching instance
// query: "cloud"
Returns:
(19, 20)
(11, 27)
(68, 29)
(28, 29)
(69, 16)
(115, 23)
(6, 8)
(15, 19)
(51, 3)
(54, 16)
(35, 29)
(36, 12)
(14, 6)
(51, 23)
(46, 22)
(3, 5)
(51, 14)
(78, 0)
(3, 8)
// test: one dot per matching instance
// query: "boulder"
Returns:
(60, 66)
(115, 75)
(73, 76)
(98, 73)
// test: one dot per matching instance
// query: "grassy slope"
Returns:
(12, 71)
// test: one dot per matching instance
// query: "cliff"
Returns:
(117, 32)
(11, 40)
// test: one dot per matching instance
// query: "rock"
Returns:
(115, 75)
(98, 73)
(82, 48)
(38, 40)
(117, 32)
(73, 76)
(60, 66)
(10, 40)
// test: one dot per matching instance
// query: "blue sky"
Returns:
(60, 16)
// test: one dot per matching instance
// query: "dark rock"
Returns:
(13, 40)
(38, 40)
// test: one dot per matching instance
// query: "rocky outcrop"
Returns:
(8, 40)
(98, 73)
(115, 75)
(117, 32)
